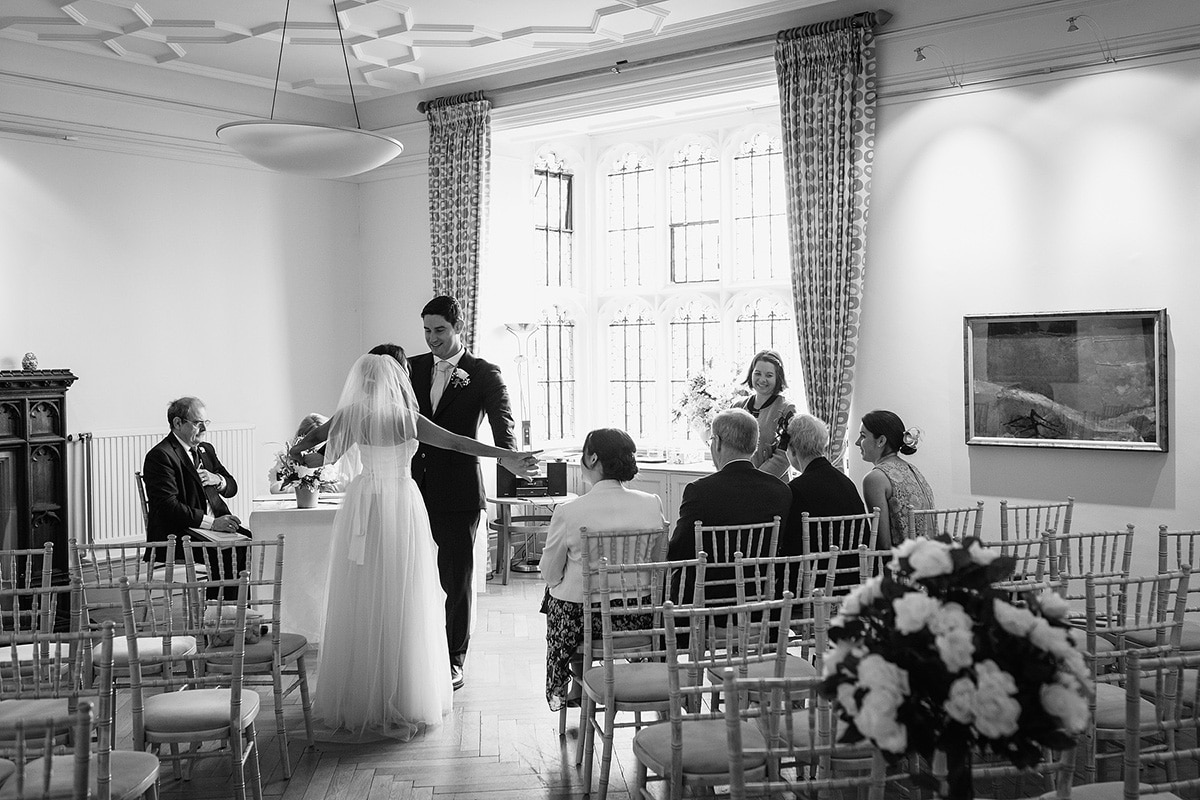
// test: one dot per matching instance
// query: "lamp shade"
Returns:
(315, 151)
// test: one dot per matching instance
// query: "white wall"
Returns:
(152, 278)
(1067, 195)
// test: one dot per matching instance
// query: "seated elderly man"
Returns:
(821, 489)
(736, 494)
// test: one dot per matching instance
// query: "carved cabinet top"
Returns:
(35, 380)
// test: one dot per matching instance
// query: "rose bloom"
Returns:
(876, 719)
(834, 656)
(861, 597)
(1017, 621)
(981, 555)
(876, 672)
(1053, 606)
(845, 697)
(961, 701)
(996, 710)
(957, 648)
(913, 610)
(1051, 639)
(1067, 704)
(930, 559)
(950, 617)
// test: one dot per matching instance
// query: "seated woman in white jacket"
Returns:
(609, 505)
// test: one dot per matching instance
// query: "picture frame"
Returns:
(1087, 379)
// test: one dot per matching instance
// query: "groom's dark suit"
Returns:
(452, 483)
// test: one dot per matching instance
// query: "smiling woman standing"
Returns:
(772, 410)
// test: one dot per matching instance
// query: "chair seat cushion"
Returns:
(7, 768)
(1189, 641)
(29, 710)
(1110, 708)
(196, 710)
(705, 748)
(643, 682)
(151, 645)
(793, 667)
(261, 651)
(132, 774)
(1110, 790)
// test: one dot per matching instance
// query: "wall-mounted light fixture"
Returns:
(1106, 48)
(953, 73)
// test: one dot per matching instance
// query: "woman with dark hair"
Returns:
(894, 486)
(772, 410)
(609, 505)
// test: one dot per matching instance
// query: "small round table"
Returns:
(510, 520)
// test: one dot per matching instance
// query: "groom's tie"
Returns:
(441, 376)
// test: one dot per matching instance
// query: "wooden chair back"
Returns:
(1034, 566)
(1173, 729)
(1101, 554)
(798, 763)
(143, 503)
(720, 542)
(263, 560)
(616, 547)
(36, 738)
(1176, 548)
(845, 533)
(99, 569)
(957, 523)
(1031, 520)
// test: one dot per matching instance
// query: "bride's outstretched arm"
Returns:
(312, 439)
(518, 463)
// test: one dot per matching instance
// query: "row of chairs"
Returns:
(1017, 520)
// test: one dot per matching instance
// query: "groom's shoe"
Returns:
(456, 677)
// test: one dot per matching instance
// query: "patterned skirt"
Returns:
(564, 635)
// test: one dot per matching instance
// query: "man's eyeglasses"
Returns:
(200, 423)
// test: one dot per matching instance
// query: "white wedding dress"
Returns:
(384, 669)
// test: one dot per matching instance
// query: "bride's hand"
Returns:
(523, 465)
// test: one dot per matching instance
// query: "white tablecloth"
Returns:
(307, 534)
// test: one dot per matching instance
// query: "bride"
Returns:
(384, 670)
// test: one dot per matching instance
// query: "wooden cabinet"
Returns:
(33, 461)
(665, 480)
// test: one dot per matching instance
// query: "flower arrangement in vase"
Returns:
(706, 394)
(307, 481)
(929, 657)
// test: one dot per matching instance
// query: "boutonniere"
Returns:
(459, 378)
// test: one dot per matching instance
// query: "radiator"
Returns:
(104, 496)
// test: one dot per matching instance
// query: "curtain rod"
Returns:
(450, 100)
(875, 19)
(865, 19)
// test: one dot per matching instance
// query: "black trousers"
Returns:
(454, 533)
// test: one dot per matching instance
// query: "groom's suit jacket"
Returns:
(452, 481)
(174, 492)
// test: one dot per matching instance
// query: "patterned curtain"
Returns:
(460, 154)
(827, 103)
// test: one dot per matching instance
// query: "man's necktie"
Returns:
(208, 490)
(196, 458)
(441, 376)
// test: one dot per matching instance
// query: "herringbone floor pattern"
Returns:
(500, 742)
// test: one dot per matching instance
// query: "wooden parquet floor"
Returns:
(500, 742)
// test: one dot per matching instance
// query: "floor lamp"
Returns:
(522, 331)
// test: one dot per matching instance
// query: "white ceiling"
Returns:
(393, 47)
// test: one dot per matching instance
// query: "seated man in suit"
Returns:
(821, 489)
(736, 494)
(186, 483)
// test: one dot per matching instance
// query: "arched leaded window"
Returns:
(553, 355)
(760, 244)
(695, 333)
(632, 373)
(554, 221)
(630, 221)
(694, 188)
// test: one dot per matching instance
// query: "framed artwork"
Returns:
(1092, 379)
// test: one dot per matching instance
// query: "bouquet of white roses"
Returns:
(705, 395)
(289, 472)
(929, 656)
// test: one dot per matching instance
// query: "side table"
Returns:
(521, 515)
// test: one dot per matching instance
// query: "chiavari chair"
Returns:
(1025, 521)
(846, 533)
(957, 523)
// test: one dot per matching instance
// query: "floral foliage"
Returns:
(290, 472)
(929, 656)
(705, 394)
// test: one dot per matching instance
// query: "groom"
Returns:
(455, 389)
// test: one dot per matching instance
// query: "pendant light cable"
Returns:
(279, 63)
(346, 61)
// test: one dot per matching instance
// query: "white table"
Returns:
(307, 533)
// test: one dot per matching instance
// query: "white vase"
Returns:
(306, 497)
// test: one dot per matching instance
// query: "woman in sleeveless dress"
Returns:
(895, 485)
(771, 409)
(384, 668)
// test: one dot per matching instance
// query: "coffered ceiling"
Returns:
(393, 46)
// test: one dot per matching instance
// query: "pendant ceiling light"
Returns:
(310, 149)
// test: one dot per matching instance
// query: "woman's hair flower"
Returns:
(912, 437)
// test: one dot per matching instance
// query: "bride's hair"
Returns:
(389, 349)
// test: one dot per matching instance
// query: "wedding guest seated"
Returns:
(771, 409)
(284, 466)
(895, 485)
(821, 490)
(609, 505)
(736, 494)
